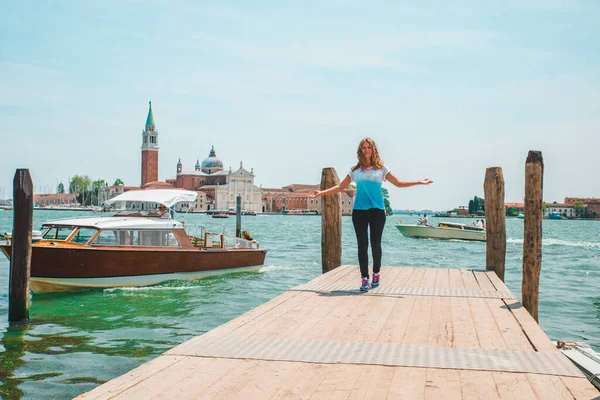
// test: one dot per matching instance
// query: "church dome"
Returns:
(212, 163)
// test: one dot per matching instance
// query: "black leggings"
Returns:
(362, 219)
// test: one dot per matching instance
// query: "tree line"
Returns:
(86, 191)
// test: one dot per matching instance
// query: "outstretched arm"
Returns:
(402, 184)
(332, 190)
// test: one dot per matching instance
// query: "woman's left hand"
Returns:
(425, 181)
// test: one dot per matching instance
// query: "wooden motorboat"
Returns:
(134, 248)
(444, 230)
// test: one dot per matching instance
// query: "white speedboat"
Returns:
(444, 230)
(584, 357)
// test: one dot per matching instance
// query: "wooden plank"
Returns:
(268, 378)
(323, 306)
(394, 327)
(580, 388)
(534, 332)
(511, 331)
(488, 332)
(354, 319)
(231, 382)
(513, 386)
(442, 383)
(403, 277)
(455, 278)
(381, 308)
(465, 335)
(478, 385)
(441, 331)
(302, 383)
(469, 279)
(415, 278)
(175, 380)
(408, 383)
(327, 325)
(132, 378)
(417, 330)
(208, 371)
(442, 279)
(374, 383)
(484, 280)
(429, 278)
(338, 382)
(548, 387)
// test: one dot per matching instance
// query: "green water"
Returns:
(79, 340)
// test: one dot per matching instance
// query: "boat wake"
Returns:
(557, 242)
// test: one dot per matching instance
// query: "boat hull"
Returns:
(62, 268)
(431, 232)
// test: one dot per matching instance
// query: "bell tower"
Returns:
(149, 149)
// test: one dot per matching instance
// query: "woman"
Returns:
(369, 208)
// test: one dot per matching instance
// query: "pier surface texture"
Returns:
(425, 333)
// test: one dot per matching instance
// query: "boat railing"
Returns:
(219, 240)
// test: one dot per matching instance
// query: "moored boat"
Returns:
(444, 230)
(555, 215)
(584, 357)
(134, 248)
(300, 211)
(220, 215)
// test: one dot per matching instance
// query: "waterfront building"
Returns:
(592, 205)
(295, 197)
(52, 200)
(563, 209)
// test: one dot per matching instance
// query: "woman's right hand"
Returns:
(314, 193)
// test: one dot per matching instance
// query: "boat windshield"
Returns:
(83, 235)
(60, 233)
(139, 238)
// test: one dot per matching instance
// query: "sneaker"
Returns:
(375, 281)
(364, 286)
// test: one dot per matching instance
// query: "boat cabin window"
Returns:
(145, 238)
(58, 233)
(83, 235)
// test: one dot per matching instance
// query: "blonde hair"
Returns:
(245, 234)
(375, 159)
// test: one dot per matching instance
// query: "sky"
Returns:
(446, 89)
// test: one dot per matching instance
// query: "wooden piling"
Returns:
(331, 222)
(20, 261)
(238, 216)
(493, 187)
(532, 241)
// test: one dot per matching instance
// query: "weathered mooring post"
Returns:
(238, 216)
(532, 240)
(331, 222)
(493, 188)
(20, 260)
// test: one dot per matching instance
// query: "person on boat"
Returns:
(246, 236)
(163, 212)
(369, 208)
(424, 220)
(479, 223)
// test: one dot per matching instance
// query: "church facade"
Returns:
(217, 188)
(220, 187)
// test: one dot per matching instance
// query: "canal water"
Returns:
(77, 341)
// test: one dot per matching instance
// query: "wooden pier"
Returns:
(424, 333)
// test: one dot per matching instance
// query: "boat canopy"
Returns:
(167, 197)
(117, 223)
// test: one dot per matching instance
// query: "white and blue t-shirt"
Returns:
(368, 187)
